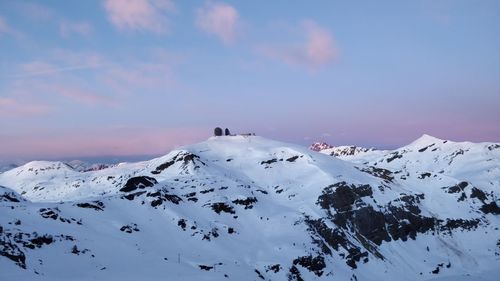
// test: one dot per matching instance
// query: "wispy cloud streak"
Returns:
(55, 70)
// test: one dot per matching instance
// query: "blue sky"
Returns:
(125, 77)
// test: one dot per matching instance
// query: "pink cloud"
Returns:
(40, 13)
(220, 20)
(13, 108)
(316, 50)
(67, 29)
(55, 76)
(90, 79)
(62, 62)
(81, 95)
(67, 87)
(138, 77)
(319, 48)
(140, 15)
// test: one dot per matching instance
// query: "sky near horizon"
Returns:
(129, 77)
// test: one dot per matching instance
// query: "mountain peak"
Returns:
(318, 146)
(426, 139)
(47, 165)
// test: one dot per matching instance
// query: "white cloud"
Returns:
(220, 20)
(139, 15)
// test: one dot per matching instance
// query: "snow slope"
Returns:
(250, 208)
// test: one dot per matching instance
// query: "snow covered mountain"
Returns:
(351, 153)
(249, 208)
(83, 166)
(318, 146)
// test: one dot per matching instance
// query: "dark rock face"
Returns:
(163, 166)
(184, 157)
(9, 197)
(342, 196)
(475, 193)
(269, 162)
(205, 267)
(491, 208)
(222, 207)
(54, 213)
(274, 268)
(405, 221)
(326, 238)
(313, 264)
(49, 213)
(371, 224)
(457, 188)
(247, 202)
(425, 148)
(191, 197)
(493, 146)
(131, 196)
(207, 191)
(182, 224)
(260, 274)
(41, 240)
(479, 194)
(10, 250)
(294, 274)
(460, 223)
(424, 175)
(213, 233)
(138, 183)
(96, 205)
(384, 174)
(129, 228)
(155, 198)
(13, 242)
(393, 156)
(162, 195)
(76, 251)
(292, 159)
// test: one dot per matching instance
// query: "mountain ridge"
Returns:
(249, 208)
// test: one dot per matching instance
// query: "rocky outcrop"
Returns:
(138, 183)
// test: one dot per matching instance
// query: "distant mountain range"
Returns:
(251, 208)
(6, 167)
(85, 163)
